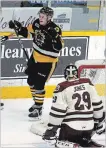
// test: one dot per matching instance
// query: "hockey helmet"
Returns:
(70, 72)
(47, 10)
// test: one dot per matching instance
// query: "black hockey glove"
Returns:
(4, 38)
(11, 24)
(50, 133)
(100, 128)
(15, 25)
(53, 32)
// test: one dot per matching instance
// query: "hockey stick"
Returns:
(19, 40)
(21, 44)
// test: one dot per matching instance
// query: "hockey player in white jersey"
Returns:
(77, 110)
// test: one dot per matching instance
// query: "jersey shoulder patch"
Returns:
(56, 28)
(59, 87)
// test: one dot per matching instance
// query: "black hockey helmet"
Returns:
(70, 71)
(47, 10)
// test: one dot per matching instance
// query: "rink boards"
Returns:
(18, 88)
(24, 91)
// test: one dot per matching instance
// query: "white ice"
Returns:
(15, 124)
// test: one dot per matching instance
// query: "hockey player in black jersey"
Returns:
(77, 110)
(47, 44)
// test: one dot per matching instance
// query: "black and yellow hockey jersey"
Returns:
(46, 46)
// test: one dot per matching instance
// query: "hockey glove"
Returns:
(99, 126)
(4, 38)
(15, 25)
(11, 24)
(50, 133)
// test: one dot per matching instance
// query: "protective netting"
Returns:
(96, 75)
(95, 70)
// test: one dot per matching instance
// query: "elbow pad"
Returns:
(57, 44)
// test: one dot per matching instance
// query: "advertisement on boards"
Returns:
(26, 16)
(13, 59)
(63, 18)
(76, 48)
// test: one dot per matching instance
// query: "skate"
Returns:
(32, 108)
(37, 111)
(1, 106)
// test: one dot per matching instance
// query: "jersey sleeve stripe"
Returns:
(58, 110)
(49, 124)
(56, 116)
(80, 113)
(97, 109)
(78, 119)
(96, 103)
(57, 113)
(79, 116)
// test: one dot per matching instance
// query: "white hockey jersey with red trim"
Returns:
(76, 103)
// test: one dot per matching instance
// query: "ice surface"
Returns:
(15, 125)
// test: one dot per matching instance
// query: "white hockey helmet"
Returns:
(70, 72)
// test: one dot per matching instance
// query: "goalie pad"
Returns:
(39, 127)
(99, 139)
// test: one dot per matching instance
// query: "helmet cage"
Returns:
(71, 71)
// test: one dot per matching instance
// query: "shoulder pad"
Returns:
(56, 28)
(86, 80)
